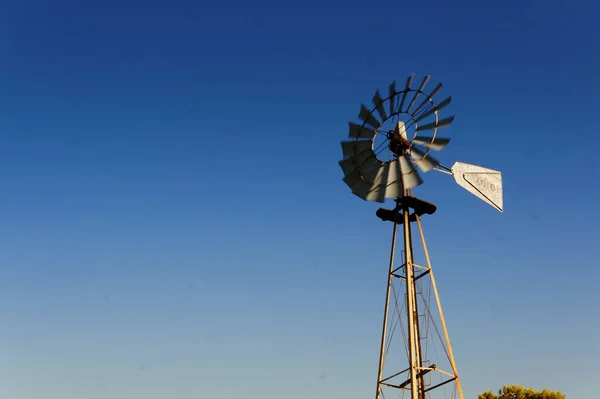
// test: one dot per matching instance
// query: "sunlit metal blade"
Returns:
(348, 165)
(400, 129)
(379, 177)
(373, 171)
(359, 187)
(351, 148)
(434, 109)
(437, 143)
(394, 190)
(423, 83)
(410, 176)
(429, 98)
(375, 180)
(433, 125)
(425, 162)
(368, 191)
(366, 116)
(378, 102)
(394, 187)
(406, 89)
(379, 180)
(360, 132)
(394, 171)
(392, 98)
(377, 194)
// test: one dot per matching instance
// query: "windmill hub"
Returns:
(398, 145)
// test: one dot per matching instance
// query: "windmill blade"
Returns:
(436, 125)
(363, 167)
(406, 89)
(400, 130)
(377, 194)
(378, 102)
(379, 179)
(366, 116)
(410, 176)
(438, 107)
(372, 170)
(360, 132)
(360, 188)
(429, 98)
(392, 91)
(394, 190)
(394, 187)
(351, 148)
(349, 164)
(424, 161)
(423, 83)
(367, 191)
(434, 143)
(486, 184)
(394, 171)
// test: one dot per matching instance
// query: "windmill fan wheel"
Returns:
(394, 138)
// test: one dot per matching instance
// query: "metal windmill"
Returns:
(395, 138)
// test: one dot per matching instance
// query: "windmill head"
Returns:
(406, 134)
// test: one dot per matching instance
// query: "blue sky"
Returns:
(174, 222)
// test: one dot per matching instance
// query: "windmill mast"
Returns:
(414, 341)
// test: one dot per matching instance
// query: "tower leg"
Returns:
(441, 313)
(385, 313)
(410, 307)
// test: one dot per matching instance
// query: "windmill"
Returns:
(393, 141)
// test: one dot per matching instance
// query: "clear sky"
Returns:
(174, 223)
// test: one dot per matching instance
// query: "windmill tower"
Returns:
(394, 139)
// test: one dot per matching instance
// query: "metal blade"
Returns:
(394, 188)
(424, 161)
(379, 180)
(433, 125)
(349, 164)
(401, 130)
(367, 191)
(429, 98)
(484, 183)
(351, 148)
(441, 105)
(423, 83)
(358, 184)
(360, 132)
(360, 188)
(366, 116)
(435, 143)
(392, 98)
(352, 178)
(378, 102)
(406, 89)
(372, 170)
(394, 171)
(410, 176)
(377, 194)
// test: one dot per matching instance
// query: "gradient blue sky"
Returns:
(174, 224)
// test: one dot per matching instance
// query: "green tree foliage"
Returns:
(518, 392)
